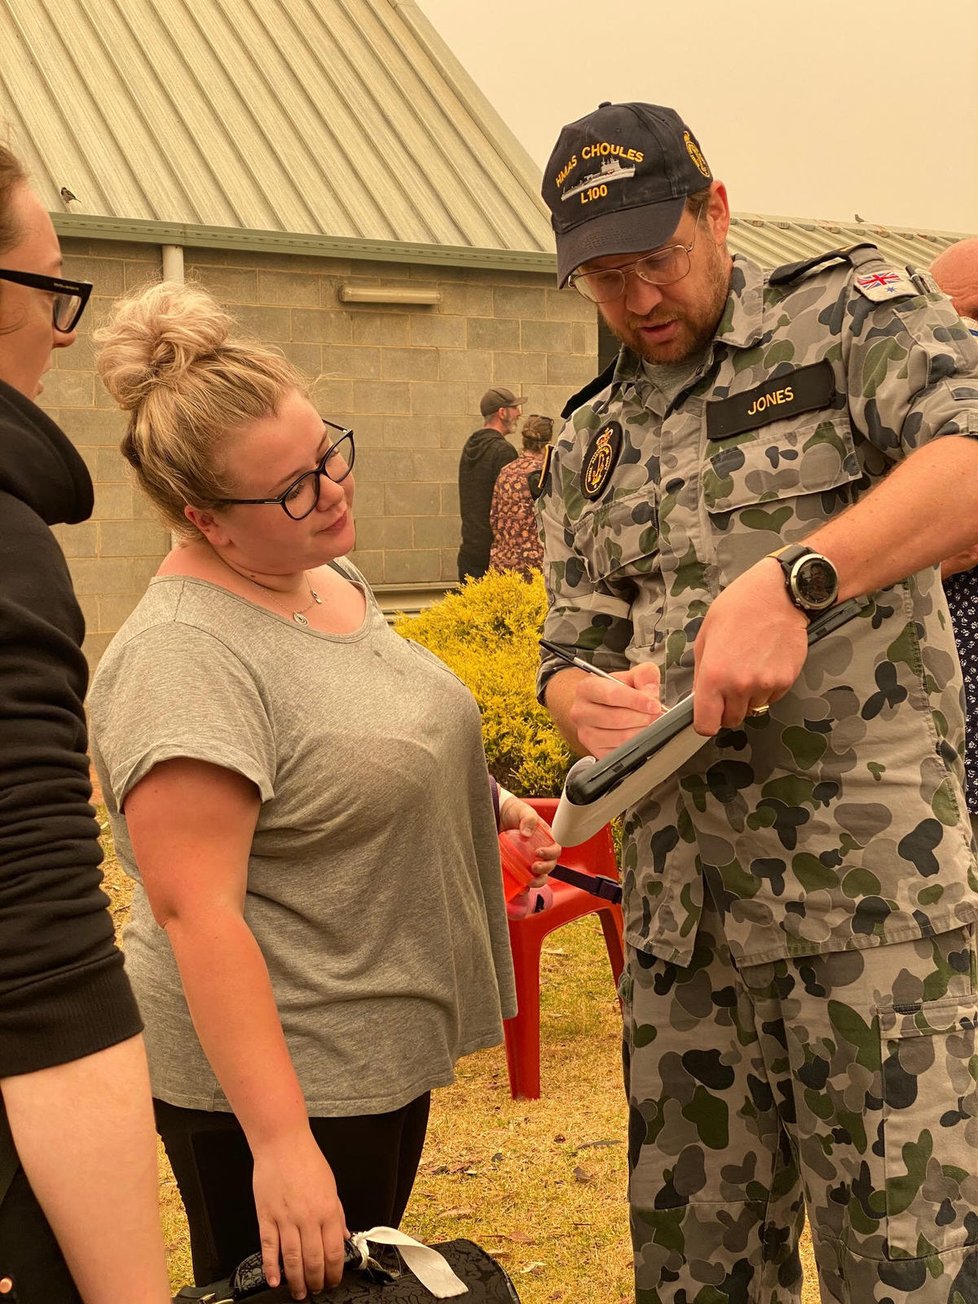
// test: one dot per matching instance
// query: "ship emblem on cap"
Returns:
(610, 170)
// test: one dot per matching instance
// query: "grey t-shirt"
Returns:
(374, 888)
(670, 378)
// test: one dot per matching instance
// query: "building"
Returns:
(327, 169)
(330, 172)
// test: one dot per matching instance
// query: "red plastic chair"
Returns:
(596, 856)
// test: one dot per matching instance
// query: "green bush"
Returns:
(487, 634)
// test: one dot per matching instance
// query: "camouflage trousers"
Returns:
(841, 1083)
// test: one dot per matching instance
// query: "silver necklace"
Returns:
(298, 616)
(315, 601)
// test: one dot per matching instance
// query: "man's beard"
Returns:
(697, 324)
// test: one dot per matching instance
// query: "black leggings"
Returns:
(374, 1158)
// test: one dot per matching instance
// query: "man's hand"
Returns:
(750, 649)
(607, 712)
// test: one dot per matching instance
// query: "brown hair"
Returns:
(537, 431)
(12, 175)
(698, 199)
(167, 355)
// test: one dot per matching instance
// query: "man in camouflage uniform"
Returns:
(800, 1002)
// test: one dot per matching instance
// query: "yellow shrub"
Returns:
(487, 634)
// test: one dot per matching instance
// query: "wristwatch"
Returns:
(811, 581)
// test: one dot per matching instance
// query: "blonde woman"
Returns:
(318, 930)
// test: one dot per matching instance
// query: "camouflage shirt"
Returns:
(837, 820)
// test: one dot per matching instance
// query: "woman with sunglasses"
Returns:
(318, 930)
(77, 1150)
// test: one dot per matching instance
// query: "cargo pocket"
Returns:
(777, 487)
(930, 1125)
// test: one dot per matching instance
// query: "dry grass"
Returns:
(540, 1184)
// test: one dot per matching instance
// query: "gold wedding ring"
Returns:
(759, 710)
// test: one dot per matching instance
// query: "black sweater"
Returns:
(485, 454)
(63, 991)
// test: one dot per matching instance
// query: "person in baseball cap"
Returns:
(494, 399)
(631, 179)
(769, 450)
(484, 455)
(618, 180)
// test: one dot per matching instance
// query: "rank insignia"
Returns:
(600, 459)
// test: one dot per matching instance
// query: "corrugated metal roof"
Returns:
(339, 118)
(330, 126)
(772, 241)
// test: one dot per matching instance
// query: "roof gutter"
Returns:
(86, 226)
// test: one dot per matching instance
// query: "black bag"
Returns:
(487, 1282)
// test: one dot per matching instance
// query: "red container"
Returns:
(517, 854)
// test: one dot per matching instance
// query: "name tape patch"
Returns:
(803, 390)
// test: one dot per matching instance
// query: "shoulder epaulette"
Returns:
(593, 387)
(795, 271)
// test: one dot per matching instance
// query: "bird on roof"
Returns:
(69, 197)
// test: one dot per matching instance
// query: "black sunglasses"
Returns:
(70, 297)
(302, 495)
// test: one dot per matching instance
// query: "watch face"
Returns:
(815, 583)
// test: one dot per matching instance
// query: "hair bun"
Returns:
(153, 339)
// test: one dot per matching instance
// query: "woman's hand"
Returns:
(520, 816)
(195, 872)
(960, 561)
(299, 1214)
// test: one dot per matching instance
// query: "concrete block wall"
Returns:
(407, 379)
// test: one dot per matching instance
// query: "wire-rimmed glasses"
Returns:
(302, 495)
(664, 267)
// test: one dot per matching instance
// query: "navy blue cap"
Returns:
(617, 182)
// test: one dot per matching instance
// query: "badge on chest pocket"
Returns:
(600, 459)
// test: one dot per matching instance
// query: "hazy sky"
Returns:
(823, 109)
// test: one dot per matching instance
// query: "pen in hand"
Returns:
(572, 660)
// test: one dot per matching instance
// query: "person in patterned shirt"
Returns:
(800, 1000)
(956, 272)
(516, 542)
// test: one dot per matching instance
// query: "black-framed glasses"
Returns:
(664, 267)
(302, 495)
(69, 297)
